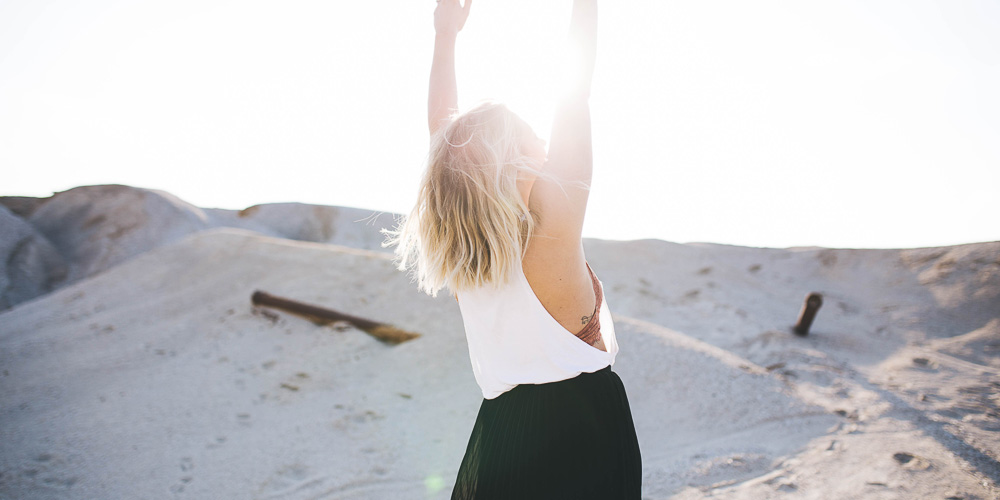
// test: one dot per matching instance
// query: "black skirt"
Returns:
(572, 439)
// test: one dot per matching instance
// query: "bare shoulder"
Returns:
(561, 206)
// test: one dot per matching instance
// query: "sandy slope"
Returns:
(156, 378)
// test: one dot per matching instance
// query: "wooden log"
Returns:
(323, 316)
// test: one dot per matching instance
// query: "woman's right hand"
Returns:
(450, 16)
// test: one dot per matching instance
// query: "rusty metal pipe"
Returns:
(321, 315)
(810, 307)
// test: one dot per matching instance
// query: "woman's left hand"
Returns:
(450, 16)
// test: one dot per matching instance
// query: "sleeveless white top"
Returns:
(514, 340)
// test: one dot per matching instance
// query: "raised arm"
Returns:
(442, 100)
(570, 155)
(582, 50)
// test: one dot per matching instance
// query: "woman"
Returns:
(498, 221)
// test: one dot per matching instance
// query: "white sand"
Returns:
(155, 377)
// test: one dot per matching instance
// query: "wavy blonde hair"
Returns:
(470, 224)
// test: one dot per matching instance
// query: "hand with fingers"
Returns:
(450, 15)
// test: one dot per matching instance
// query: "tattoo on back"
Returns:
(584, 319)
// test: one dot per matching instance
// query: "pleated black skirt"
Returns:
(572, 439)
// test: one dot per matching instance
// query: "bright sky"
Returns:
(867, 124)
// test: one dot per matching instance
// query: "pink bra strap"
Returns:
(591, 332)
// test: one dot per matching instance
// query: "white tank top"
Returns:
(514, 340)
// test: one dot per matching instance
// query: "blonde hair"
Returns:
(470, 225)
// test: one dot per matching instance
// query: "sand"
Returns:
(146, 372)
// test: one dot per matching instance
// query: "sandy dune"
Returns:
(145, 372)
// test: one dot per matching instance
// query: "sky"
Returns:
(848, 124)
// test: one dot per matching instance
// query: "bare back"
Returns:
(562, 284)
(555, 265)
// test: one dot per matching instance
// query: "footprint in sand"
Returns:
(187, 465)
(911, 461)
(46, 469)
(290, 480)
